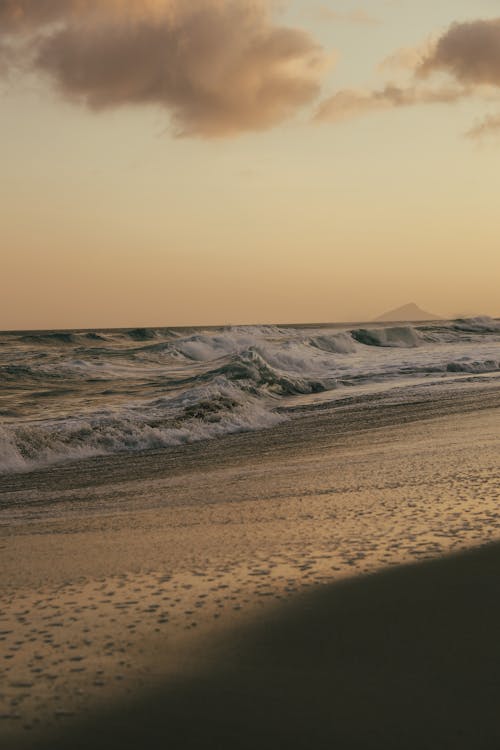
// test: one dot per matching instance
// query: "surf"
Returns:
(68, 395)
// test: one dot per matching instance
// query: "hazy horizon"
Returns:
(246, 161)
(250, 323)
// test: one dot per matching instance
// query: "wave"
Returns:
(94, 336)
(70, 370)
(75, 337)
(259, 372)
(252, 366)
(219, 410)
(481, 324)
(400, 336)
(143, 334)
(78, 394)
(11, 458)
(63, 338)
(202, 347)
(56, 337)
(26, 373)
(241, 395)
(339, 343)
(489, 365)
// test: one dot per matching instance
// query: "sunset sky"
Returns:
(175, 162)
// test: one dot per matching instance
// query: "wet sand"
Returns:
(238, 593)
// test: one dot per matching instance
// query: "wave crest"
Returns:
(202, 414)
(399, 336)
(481, 324)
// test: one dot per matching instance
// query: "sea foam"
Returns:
(71, 395)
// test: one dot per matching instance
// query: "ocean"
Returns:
(72, 395)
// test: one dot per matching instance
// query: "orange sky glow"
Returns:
(246, 161)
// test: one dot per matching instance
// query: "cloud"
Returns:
(5, 61)
(409, 58)
(220, 67)
(489, 125)
(468, 54)
(17, 16)
(349, 103)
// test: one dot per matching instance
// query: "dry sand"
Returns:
(257, 592)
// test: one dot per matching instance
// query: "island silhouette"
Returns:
(409, 312)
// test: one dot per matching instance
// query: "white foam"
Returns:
(203, 347)
(480, 324)
(200, 414)
(65, 401)
(10, 456)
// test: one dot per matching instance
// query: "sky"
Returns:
(166, 162)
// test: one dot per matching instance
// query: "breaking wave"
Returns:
(481, 324)
(219, 410)
(75, 394)
(402, 336)
(489, 365)
(339, 343)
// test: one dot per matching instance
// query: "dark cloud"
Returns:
(219, 66)
(24, 15)
(470, 52)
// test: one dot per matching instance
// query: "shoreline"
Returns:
(116, 584)
(326, 424)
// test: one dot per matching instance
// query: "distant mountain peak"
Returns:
(409, 312)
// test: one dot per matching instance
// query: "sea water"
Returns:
(67, 395)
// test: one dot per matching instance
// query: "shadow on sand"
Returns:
(407, 658)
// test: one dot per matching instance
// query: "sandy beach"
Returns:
(298, 587)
